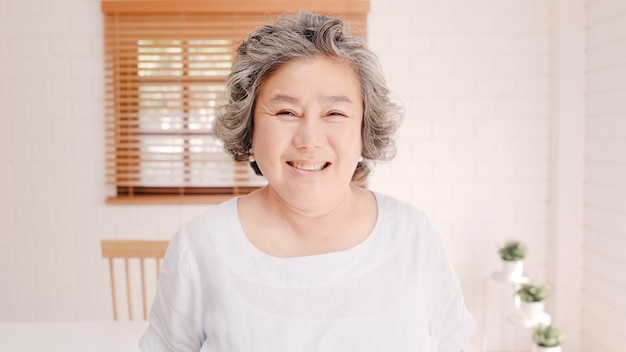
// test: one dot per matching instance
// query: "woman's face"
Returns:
(307, 129)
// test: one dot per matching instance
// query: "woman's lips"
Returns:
(308, 166)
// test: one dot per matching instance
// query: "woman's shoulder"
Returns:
(391, 206)
(398, 217)
(215, 214)
(216, 219)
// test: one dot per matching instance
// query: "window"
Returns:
(166, 68)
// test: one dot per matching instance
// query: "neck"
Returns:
(284, 229)
(309, 220)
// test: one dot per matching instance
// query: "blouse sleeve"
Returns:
(175, 321)
(451, 324)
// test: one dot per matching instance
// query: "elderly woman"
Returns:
(310, 262)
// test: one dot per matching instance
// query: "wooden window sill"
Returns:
(170, 199)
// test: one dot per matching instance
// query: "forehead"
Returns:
(329, 74)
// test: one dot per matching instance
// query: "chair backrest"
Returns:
(128, 249)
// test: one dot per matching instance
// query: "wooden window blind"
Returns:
(166, 65)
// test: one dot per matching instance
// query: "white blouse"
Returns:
(395, 291)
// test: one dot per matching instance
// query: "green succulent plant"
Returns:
(512, 251)
(547, 336)
(531, 292)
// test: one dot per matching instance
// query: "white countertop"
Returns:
(71, 336)
(101, 336)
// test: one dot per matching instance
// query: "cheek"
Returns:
(259, 133)
(267, 139)
(349, 138)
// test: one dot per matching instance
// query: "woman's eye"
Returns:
(286, 113)
(336, 113)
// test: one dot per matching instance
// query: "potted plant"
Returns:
(512, 255)
(547, 338)
(531, 302)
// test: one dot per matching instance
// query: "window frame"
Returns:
(353, 11)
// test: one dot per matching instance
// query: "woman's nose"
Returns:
(310, 134)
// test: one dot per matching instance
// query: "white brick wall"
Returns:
(474, 77)
(476, 136)
(52, 212)
(604, 308)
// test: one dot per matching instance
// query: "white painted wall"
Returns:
(565, 237)
(52, 190)
(475, 77)
(604, 275)
(474, 150)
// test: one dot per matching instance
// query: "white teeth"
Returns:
(309, 167)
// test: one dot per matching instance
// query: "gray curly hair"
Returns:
(306, 35)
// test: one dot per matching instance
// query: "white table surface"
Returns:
(71, 336)
(101, 336)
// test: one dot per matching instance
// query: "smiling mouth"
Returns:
(309, 167)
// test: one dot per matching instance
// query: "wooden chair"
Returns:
(128, 249)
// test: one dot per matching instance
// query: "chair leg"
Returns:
(143, 290)
(128, 291)
(115, 317)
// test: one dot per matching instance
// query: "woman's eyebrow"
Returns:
(337, 99)
(284, 98)
(327, 99)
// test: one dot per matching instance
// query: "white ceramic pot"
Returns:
(546, 349)
(512, 269)
(531, 312)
